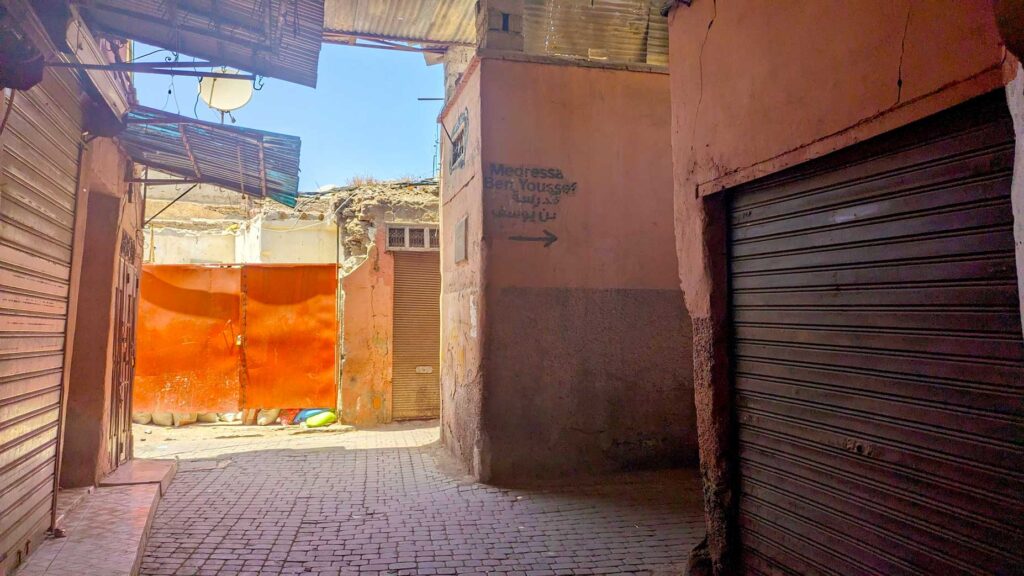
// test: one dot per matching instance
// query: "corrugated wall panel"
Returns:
(37, 203)
(879, 364)
(416, 364)
(427, 20)
(621, 31)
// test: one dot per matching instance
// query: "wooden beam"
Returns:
(188, 150)
(263, 169)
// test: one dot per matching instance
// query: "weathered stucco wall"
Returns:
(758, 87)
(263, 241)
(108, 215)
(298, 241)
(170, 246)
(587, 360)
(462, 281)
(367, 327)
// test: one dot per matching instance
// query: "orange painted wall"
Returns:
(462, 284)
(218, 339)
(187, 359)
(290, 335)
(367, 326)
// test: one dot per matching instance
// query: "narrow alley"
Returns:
(537, 287)
(382, 501)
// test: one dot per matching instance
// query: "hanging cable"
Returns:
(180, 196)
(7, 113)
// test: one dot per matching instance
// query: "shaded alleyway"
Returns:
(377, 502)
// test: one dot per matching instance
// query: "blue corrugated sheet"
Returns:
(226, 156)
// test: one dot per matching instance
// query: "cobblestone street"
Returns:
(249, 501)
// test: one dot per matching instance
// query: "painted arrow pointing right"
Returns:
(548, 238)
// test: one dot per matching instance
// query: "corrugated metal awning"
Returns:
(253, 162)
(276, 38)
(623, 31)
(422, 21)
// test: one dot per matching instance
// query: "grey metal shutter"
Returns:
(416, 360)
(878, 356)
(37, 211)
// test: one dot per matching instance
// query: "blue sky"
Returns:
(362, 119)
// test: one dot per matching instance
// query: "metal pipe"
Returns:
(131, 66)
(180, 196)
(165, 68)
(162, 182)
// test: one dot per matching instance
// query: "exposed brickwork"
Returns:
(375, 502)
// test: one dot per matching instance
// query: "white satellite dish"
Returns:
(225, 94)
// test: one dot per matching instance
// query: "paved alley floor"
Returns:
(268, 501)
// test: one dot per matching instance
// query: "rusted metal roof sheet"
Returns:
(625, 31)
(277, 38)
(427, 21)
(253, 162)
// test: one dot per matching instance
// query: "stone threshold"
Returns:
(104, 528)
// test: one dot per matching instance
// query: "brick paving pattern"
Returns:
(375, 502)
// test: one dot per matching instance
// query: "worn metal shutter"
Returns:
(37, 211)
(416, 364)
(878, 356)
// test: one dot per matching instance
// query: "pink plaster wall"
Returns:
(587, 357)
(368, 316)
(761, 86)
(462, 282)
(567, 358)
(107, 214)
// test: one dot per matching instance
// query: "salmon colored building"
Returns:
(846, 237)
(565, 344)
(390, 304)
(845, 186)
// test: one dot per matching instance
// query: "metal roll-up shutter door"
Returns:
(878, 356)
(416, 364)
(37, 211)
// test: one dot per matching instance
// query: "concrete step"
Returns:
(105, 529)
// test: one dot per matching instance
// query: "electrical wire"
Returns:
(147, 54)
(7, 113)
(174, 92)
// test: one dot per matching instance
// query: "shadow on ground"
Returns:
(376, 502)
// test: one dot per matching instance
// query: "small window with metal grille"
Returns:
(416, 238)
(458, 142)
(396, 237)
(413, 237)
